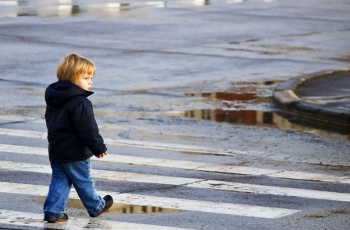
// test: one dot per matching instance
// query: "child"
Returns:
(73, 138)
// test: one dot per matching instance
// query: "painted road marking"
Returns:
(20, 118)
(163, 202)
(34, 220)
(190, 165)
(183, 148)
(189, 182)
(129, 143)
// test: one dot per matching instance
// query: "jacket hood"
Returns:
(59, 92)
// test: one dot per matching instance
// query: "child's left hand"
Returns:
(102, 155)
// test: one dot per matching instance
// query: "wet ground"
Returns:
(118, 208)
(185, 82)
(150, 64)
(237, 102)
(250, 103)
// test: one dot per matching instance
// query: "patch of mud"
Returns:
(342, 59)
(328, 214)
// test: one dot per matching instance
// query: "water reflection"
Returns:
(246, 117)
(233, 109)
(120, 208)
(262, 119)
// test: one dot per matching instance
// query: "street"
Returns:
(183, 99)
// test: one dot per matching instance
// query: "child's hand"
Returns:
(102, 155)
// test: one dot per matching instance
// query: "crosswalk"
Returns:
(190, 165)
(193, 204)
(188, 182)
(33, 220)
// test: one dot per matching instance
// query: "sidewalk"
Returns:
(322, 97)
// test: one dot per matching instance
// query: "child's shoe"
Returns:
(64, 218)
(109, 202)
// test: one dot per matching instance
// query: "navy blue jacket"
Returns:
(73, 134)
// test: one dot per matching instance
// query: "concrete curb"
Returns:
(285, 97)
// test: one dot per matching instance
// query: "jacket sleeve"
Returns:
(86, 127)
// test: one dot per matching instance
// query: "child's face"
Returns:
(85, 81)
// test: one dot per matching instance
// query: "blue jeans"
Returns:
(63, 176)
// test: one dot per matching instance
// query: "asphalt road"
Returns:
(183, 99)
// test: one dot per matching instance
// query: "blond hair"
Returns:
(72, 65)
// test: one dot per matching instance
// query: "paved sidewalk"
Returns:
(321, 97)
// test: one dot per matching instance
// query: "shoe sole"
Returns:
(59, 220)
(56, 221)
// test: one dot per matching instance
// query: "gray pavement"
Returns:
(171, 57)
(172, 46)
(320, 97)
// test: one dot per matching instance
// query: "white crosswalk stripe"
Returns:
(11, 217)
(189, 182)
(132, 143)
(175, 147)
(190, 165)
(164, 202)
(33, 220)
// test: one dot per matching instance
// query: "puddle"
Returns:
(251, 104)
(120, 208)
(263, 119)
(245, 117)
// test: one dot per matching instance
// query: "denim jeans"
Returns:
(63, 176)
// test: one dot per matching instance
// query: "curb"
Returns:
(285, 97)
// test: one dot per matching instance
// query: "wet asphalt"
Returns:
(200, 73)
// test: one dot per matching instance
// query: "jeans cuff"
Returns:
(98, 209)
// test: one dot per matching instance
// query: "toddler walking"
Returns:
(73, 138)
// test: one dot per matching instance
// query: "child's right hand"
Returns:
(102, 155)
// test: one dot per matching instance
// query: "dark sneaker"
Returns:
(64, 218)
(109, 202)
